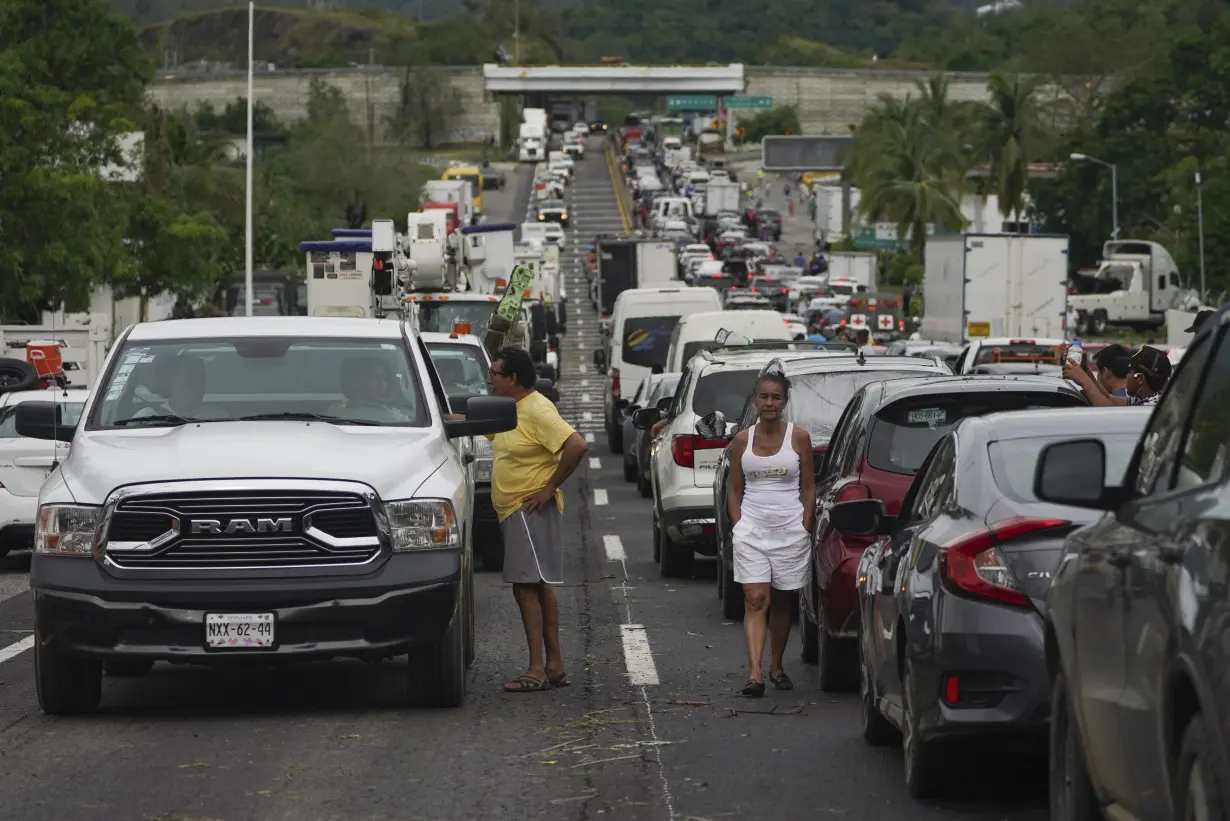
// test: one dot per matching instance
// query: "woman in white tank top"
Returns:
(772, 503)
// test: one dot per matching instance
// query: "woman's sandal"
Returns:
(782, 682)
(527, 684)
(753, 689)
(560, 680)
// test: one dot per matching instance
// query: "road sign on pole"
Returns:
(691, 102)
(781, 153)
(749, 102)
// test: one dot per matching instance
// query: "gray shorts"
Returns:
(534, 546)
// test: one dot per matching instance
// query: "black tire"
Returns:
(657, 539)
(732, 593)
(810, 632)
(833, 658)
(438, 667)
(128, 667)
(631, 473)
(17, 375)
(615, 438)
(644, 486)
(1072, 796)
(1100, 323)
(493, 551)
(878, 731)
(1199, 792)
(926, 770)
(674, 561)
(66, 684)
(471, 639)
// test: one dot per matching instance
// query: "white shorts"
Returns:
(785, 567)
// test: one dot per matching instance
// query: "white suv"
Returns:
(682, 462)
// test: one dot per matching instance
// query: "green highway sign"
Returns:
(692, 102)
(749, 102)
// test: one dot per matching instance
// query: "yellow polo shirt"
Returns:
(524, 459)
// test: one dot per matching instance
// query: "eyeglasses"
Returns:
(495, 372)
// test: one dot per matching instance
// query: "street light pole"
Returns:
(1114, 189)
(1200, 229)
(247, 273)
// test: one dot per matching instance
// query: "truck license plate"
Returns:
(238, 630)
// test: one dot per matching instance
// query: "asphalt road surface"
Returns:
(651, 728)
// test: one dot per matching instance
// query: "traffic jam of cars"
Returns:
(1018, 542)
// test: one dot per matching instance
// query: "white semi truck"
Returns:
(1135, 283)
(533, 136)
(994, 285)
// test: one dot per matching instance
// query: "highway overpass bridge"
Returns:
(828, 100)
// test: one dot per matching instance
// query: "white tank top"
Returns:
(771, 487)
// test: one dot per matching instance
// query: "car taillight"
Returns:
(783, 290)
(974, 565)
(616, 391)
(685, 445)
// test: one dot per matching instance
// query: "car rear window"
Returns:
(818, 399)
(995, 354)
(723, 390)
(646, 339)
(1014, 462)
(904, 432)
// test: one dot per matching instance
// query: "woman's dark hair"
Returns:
(517, 364)
(778, 378)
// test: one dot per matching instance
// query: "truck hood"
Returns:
(393, 461)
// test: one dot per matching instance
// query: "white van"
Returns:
(695, 333)
(642, 321)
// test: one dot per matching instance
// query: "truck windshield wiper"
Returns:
(315, 417)
(161, 418)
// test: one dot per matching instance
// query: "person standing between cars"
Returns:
(1148, 372)
(529, 464)
(1113, 362)
(772, 503)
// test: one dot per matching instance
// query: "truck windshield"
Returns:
(343, 381)
(462, 368)
(444, 316)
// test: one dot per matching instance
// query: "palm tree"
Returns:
(1009, 135)
(909, 169)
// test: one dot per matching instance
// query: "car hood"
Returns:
(393, 461)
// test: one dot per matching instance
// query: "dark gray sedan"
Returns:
(952, 595)
(636, 442)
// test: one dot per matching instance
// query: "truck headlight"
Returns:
(482, 459)
(66, 530)
(423, 524)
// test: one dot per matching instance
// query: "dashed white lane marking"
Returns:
(582, 369)
(600, 496)
(642, 672)
(16, 649)
(585, 397)
(595, 463)
(614, 547)
(584, 383)
(587, 416)
(589, 437)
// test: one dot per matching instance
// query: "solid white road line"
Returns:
(589, 437)
(614, 547)
(642, 672)
(595, 463)
(16, 649)
(600, 497)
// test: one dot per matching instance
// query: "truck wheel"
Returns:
(1100, 323)
(615, 438)
(66, 684)
(16, 375)
(493, 551)
(438, 668)
(1082, 323)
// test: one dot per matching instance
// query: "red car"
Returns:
(885, 433)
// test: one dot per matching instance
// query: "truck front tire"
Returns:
(438, 667)
(66, 684)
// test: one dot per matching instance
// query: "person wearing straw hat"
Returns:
(528, 466)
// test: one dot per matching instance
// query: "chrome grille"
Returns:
(241, 529)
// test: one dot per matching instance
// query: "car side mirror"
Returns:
(44, 420)
(646, 418)
(1073, 473)
(622, 404)
(861, 517)
(664, 404)
(484, 415)
(712, 425)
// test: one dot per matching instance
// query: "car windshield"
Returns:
(462, 368)
(346, 381)
(818, 399)
(904, 432)
(724, 391)
(1014, 462)
(552, 205)
(70, 413)
(664, 386)
(1023, 352)
(444, 316)
(646, 339)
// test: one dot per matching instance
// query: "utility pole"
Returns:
(1200, 229)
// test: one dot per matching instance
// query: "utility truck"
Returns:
(1135, 283)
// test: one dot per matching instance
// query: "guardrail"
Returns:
(623, 197)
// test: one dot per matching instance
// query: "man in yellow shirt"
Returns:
(529, 464)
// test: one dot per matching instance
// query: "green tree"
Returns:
(1011, 137)
(781, 120)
